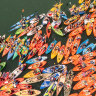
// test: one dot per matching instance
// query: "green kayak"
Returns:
(15, 54)
(2, 65)
(51, 89)
(20, 30)
(58, 31)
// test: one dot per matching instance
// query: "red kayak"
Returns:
(48, 29)
(42, 49)
(94, 28)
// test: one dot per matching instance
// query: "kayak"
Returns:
(68, 47)
(77, 31)
(55, 50)
(63, 15)
(45, 20)
(72, 20)
(36, 78)
(89, 48)
(48, 29)
(93, 15)
(2, 65)
(89, 28)
(68, 83)
(80, 1)
(84, 64)
(20, 30)
(82, 46)
(33, 73)
(87, 72)
(60, 54)
(17, 71)
(47, 82)
(58, 31)
(61, 81)
(74, 94)
(87, 81)
(51, 46)
(37, 65)
(51, 89)
(92, 9)
(88, 90)
(75, 44)
(37, 59)
(71, 59)
(94, 28)
(29, 92)
(43, 49)
(55, 68)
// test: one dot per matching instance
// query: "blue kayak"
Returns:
(49, 80)
(52, 69)
(26, 18)
(63, 16)
(82, 46)
(89, 48)
(37, 59)
(50, 47)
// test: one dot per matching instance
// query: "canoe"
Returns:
(37, 59)
(61, 81)
(17, 71)
(89, 48)
(84, 64)
(36, 78)
(88, 90)
(68, 83)
(43, 49)
(89, 28)
(37, 65)
(51, 46)
(82, 46)
(75, 44)
(72, 20)
(77, 31)
(87, 72)
(24, 86)
(94, 28)
(20, 30)
(71, 59)
(55, 68)
(47, 82)
(80, 1)
(48, 29)
(77, 24)
(74, 94)
(87, 81)
(60, 54)
(51, 89)
(2, 65)
(55, 50)
(33, 73)
(30, 92)
(68, 47)
(58, 31)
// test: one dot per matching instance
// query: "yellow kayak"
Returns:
(80, 1)
(55, 50)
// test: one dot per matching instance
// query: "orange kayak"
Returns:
(77, 31)
(37, 65)
(75, 44)
(74, 94)
(55, 50)
(72, 19)
(87, 81)
(60, 54)
(67, 47)
(93, 15)
(48, 29)
(87, 72)
(84, 64)
(70, 59)
(92, 9)
(88, 90)
(42, 49)
(94, 28)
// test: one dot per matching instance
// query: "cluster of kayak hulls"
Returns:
(55, 77)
